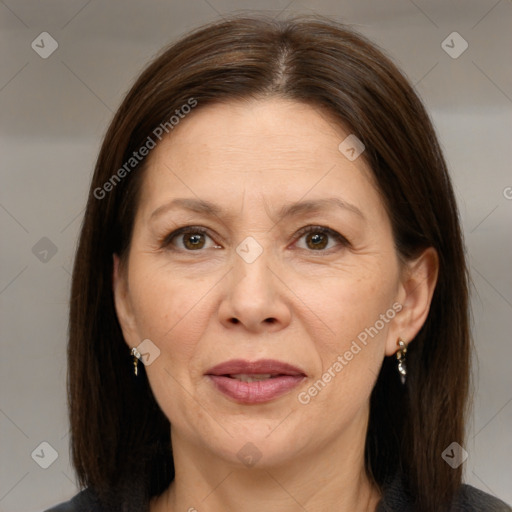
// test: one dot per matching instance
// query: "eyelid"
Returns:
(166, 241)
(325, 229)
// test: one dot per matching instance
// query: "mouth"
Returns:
(255, 382)
(247, 377)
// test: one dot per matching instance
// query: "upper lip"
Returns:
(262, 366)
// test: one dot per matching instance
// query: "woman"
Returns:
(269, 304)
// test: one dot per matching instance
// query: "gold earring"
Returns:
(136, 357)
(400, 356)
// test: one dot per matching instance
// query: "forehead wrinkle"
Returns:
(295, 151)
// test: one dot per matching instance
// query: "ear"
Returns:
(123, 304)
(416, 289)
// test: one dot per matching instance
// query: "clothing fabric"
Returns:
(395, 499)
(468, 499)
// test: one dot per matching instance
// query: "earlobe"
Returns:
(122, 302)
(419, 280)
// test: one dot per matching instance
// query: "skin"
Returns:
(295, 303)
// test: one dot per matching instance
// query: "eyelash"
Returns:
(323, 230)
(167, 241)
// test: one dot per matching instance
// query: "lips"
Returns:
(254, 382)
(261, 367)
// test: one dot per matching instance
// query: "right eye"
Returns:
(189, 239)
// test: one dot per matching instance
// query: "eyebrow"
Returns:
(317, 205)
(194, 205)
(289, 210)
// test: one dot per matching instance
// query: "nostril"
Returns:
(267, 320)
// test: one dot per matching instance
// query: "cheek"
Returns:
(169, 309)
(352, 350)
(351, 303)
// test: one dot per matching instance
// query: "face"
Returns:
(256, 239)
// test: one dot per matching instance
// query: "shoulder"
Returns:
(472, 499)
(468, 499)
(84, 501)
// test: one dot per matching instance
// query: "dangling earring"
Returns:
(136, 357)
(400, 356)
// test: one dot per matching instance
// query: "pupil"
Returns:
(318, 240)
(194, 241)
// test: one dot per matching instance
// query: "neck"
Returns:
(330, 478)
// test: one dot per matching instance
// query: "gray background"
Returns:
(54, 112)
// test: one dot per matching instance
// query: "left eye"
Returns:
(320, 238)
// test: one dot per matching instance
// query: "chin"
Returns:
(260, 443)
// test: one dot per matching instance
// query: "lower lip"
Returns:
(255, 392)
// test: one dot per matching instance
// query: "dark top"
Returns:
(394, 499)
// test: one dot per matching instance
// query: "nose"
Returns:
(254, 298)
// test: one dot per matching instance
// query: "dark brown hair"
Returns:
(120, 438)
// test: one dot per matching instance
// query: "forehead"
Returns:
(269, 148)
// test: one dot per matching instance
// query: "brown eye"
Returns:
(189, 239)
(316, 240)
(193, 241)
